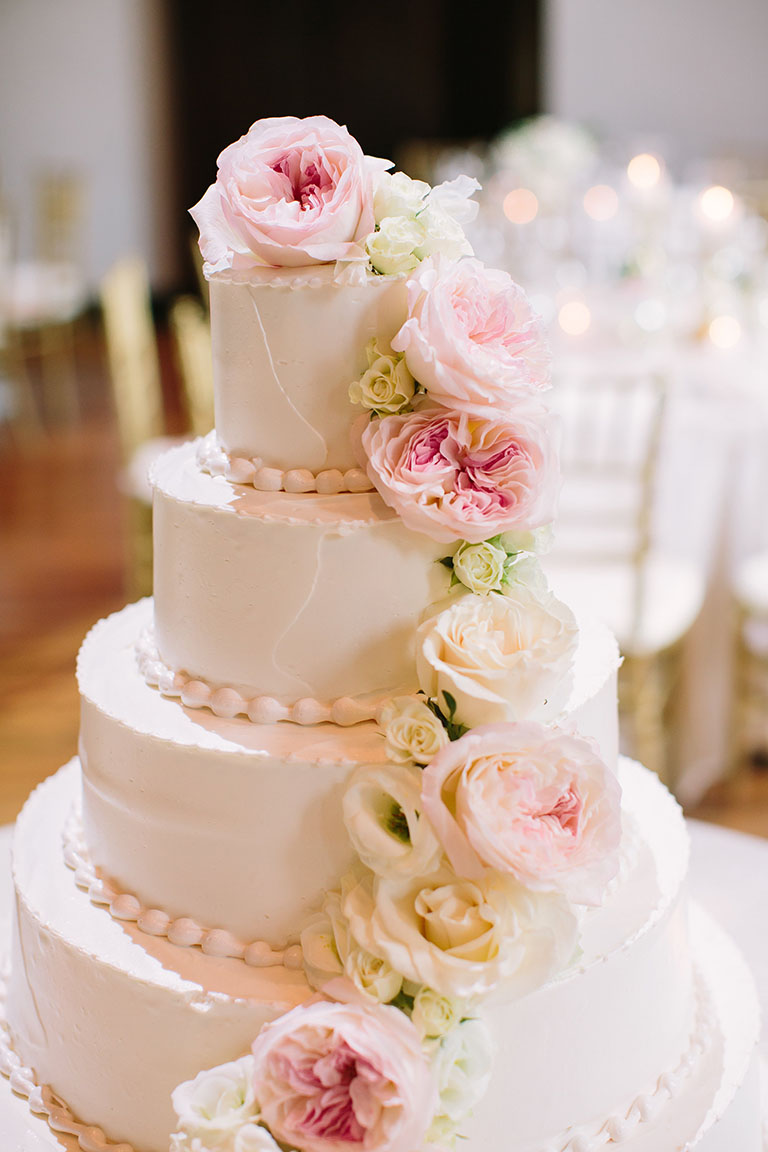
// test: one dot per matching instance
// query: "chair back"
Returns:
(612, 424)
(132, 354)
(192, 337)
(59, 217)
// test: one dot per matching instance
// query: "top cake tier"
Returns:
(286, 345)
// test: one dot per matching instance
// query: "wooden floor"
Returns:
(62, 561)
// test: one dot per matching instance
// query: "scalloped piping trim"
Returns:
(646, 1106)
(227, 702)
(212, 458)
(183, 930)
(41, 1098)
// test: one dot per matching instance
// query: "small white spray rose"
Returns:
(382, 812)
(255, 1138)
(212, 1108)
(443, 236)
(412, 730)
(372, 976)
(461, 1064)
(398, 195)
(387, 386)
(391, 248)
(480, 567)
(435, 1015)
(325, 943)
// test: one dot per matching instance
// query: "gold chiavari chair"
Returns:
(46, 295)
(134, 367)
(192, 338)
(749, 712)
(604, 561)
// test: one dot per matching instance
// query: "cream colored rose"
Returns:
(382, 812)
(213, 1107)
(391, 248)
(398, 195)
(325, 943)
(434, 1014)
(462, 1062)
(255, 1138)
(480, 567)
(538, 540)
(463, 938)
(387, 386)
(412, 730)
(443, 236)
(372, 976)
(500, 657)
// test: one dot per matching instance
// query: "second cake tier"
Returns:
(238, 825)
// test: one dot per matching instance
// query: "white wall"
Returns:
(82, 86)
(690, 72)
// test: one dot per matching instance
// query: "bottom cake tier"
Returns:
(644, 1043)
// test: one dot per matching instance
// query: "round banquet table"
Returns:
(728, 875)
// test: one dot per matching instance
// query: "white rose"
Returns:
(412, 730)
(214, 1106)
(325, 943)
(398, 195)
(442, 235)
(255, 1138)
(463, 938)
(538, 540)
(480, 567)
(372, 976)
(461, 1064)
(434, 1014)
(391, 248)
(501, 657)
(454, 198)
(382, 812)
(387, 386)
(525, 569)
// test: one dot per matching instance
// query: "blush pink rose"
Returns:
(530, 801)
(338, 1077)
(456, 477)
(290, 192)
(471, 337)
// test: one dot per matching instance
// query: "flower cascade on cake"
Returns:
(490, 826)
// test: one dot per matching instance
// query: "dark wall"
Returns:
(392, 72)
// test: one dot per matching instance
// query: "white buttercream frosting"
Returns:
(286, 345)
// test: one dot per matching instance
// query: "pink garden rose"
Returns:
(290, 192)
(471, 337)
(339, 1077)
(533, 802)
(455, 477)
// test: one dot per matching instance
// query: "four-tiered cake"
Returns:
(349, 858)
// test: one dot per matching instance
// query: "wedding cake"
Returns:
(349, 858)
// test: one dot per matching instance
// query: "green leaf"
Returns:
(404, 1002)
(447, 561)
(450, 703)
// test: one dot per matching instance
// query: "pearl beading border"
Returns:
(42, 1099)
(182, 930)
(646, 1106)
(228, 702)
(212, 458)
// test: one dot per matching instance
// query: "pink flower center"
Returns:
(306, 179)
(335, 1094)
(565, 812)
